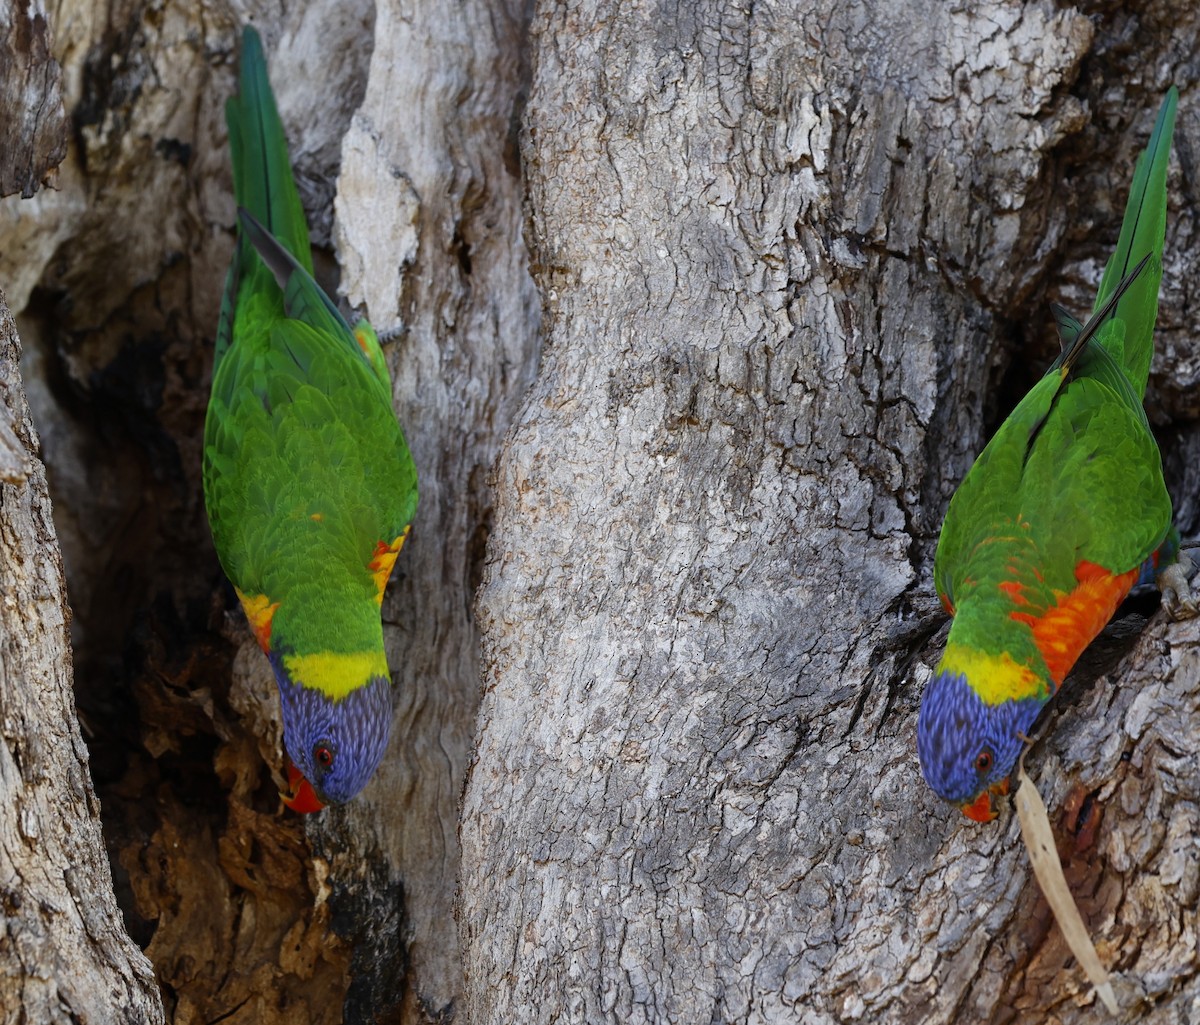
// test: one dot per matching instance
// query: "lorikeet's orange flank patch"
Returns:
(382, 562)
(1061, 633)
(260, 610)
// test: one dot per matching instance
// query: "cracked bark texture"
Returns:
(64, 955)
(33, 124)
(794, 262)
(400, 121)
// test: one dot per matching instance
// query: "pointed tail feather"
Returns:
(262, 179)
(262, 172)
(1142, 232)
(1068, 326)
(1094, 359)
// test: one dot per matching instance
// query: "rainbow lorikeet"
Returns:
(308, 481)
(1056, 520)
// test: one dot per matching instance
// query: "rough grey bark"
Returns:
(247, 915)
(64, 954)
(785, 250)
(33, 125)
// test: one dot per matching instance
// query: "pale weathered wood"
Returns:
(781, 247)
(428, 233)
(64, 954)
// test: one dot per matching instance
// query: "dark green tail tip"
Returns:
(251, 40)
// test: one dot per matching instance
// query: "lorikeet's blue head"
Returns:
(335, 744)
(969, 748)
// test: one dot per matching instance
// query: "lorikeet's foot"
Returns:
(1177, 597)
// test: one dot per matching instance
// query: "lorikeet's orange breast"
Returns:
(1064, 630)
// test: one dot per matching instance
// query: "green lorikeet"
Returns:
(1056, 521)
(308, 481)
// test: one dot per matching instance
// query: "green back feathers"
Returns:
(299, 497)
(1142, 232)
(306, 469)
(304, 300)
(1074, 470)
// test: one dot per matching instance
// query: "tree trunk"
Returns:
(786, 256)
(429, 238)
(64, 956)
(783, 251)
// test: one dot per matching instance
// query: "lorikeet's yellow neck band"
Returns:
(336, 674)
(995, 678)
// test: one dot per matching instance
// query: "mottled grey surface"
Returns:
(400, 121)
(779, 249)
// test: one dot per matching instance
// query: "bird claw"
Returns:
(1177, 597)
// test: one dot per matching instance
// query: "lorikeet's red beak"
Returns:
(980, 810)
(302, 798)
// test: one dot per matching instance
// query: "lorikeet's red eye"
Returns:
(323, 755)
(983, 761)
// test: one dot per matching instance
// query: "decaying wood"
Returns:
(780, 249)
(33, 124)
(64, 954)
